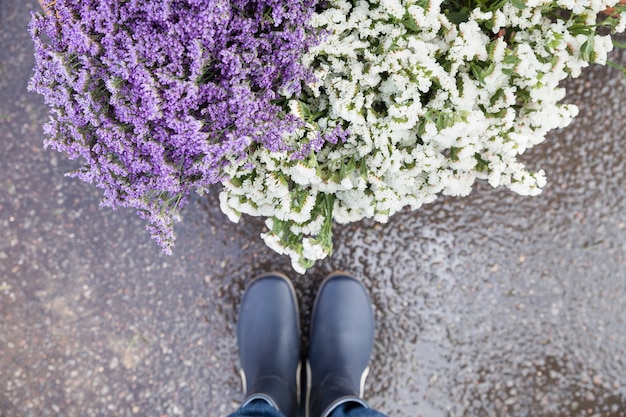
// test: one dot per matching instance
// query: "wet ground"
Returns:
(491, 305)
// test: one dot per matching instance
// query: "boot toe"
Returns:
(343, 322)
(269, 341)
(341, 342)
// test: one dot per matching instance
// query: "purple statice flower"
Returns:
(338, 134)
(158, 97)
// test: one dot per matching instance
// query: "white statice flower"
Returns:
(312, 250)
(302, 174)
(528, 184)
(471, 43)
(275, 186)
(427, 20)
(621, 24)
(499, 21)
(529, 66)
(227, 208)
(395, 8)
(602, 45)
(273, 242)
(478, 15)
(313, 227)
(430, 104)
(458, 184)
(302, 213)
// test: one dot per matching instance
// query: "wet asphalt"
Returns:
(489, 305)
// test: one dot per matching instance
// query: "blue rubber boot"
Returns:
(341, 342)
(268, 337)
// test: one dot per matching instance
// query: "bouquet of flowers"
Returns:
(309, 112)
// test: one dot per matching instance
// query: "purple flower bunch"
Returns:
(159, 97)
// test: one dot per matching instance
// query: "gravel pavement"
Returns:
(490, 305)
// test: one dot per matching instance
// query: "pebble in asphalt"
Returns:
(490, 305)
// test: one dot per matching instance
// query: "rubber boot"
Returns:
(341, 342)
(268, 337)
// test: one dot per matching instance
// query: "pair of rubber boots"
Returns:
(341, 341)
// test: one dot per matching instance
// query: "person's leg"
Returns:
(257, 408)
(268, 338)
(341, 342)
(354, 410)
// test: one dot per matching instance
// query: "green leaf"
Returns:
(351, 165)
(511, 60)
(236, 181)
(282, 178)
(519, 4)
(403, 119)
(454, 153)
(312, 160)
(457, 17)
(410, 24)
(306, 111)
(587, 48)
(481, 164)
(342, 171)
(363, 170)
(305, 263)
(497, 95)
(478, 72)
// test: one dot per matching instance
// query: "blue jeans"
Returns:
(260, 408)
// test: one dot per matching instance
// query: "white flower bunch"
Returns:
(434, 96)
